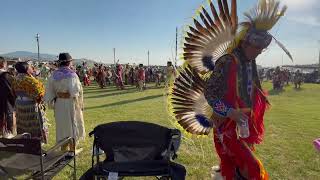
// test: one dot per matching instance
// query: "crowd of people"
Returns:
(125, 74)
(281, 77)
(24, 98)
(24, 93)
(104, 75)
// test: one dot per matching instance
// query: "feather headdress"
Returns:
(263, 17)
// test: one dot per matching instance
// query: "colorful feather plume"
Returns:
(263, 17)
(189, 106)
(266, 14)
(283, 48)
(209, 39)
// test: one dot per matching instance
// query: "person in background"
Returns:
(298, 79)
(141, 77)
(131, 75)
(108, 76)
(7, 100)
(30, 110)
(158, 77)
(126, 74)
(101, 77)
(170, 75)
(85, 74)
(64, 93)
(119, 73)
(276, 79)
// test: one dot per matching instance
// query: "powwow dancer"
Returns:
(85, 74)
(170, 75)
(30, 110)
(101, 77)
(7, 100)
(219, 87)
(298, 79)
(141, 77)
(158, 77)
(119, 81)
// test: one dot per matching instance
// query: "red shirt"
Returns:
(141, 74)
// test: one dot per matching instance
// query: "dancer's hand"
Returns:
(237, 116)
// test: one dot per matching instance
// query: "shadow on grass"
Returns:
(297, 89)
(274, 92)
(154, 87)
(125, 102)
(127, 91)
(107, 89)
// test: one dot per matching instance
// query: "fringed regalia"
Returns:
(30, 112)
(64, 93)
(217, 77)
(7, 99)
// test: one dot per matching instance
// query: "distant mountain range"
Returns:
(45, 57)
(30, 55)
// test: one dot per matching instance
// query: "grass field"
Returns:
(287, 152)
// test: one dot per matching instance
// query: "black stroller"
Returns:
(135, 148)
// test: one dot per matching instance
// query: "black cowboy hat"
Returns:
(64, 57)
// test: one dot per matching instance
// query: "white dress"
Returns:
(68, 112)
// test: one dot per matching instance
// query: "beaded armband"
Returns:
(220, 108)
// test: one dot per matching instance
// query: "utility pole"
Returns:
(114, 56)
(175, 58)
(37, 37)
(319, 64)
(319, 60)
(148, 58)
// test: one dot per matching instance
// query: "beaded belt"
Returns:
(63, 95)
(24, 98)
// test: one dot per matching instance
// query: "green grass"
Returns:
(287, 152)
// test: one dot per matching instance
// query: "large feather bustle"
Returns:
(188, 105)
(211, 36)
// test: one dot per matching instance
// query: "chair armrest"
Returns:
(173, 145)
(60, 143)
(91, 133)
(22, 136)
(175, 139)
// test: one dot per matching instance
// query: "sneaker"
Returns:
(216, 173)
(215, 168)
(8, 136)
(78, 151)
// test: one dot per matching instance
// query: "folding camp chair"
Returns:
(25, 156)
(135, 148)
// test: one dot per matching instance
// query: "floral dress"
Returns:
(30, 112)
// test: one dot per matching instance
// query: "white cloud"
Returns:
(300, 5)
(308, 19)
(303, 11)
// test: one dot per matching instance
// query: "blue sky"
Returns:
(92, 28)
